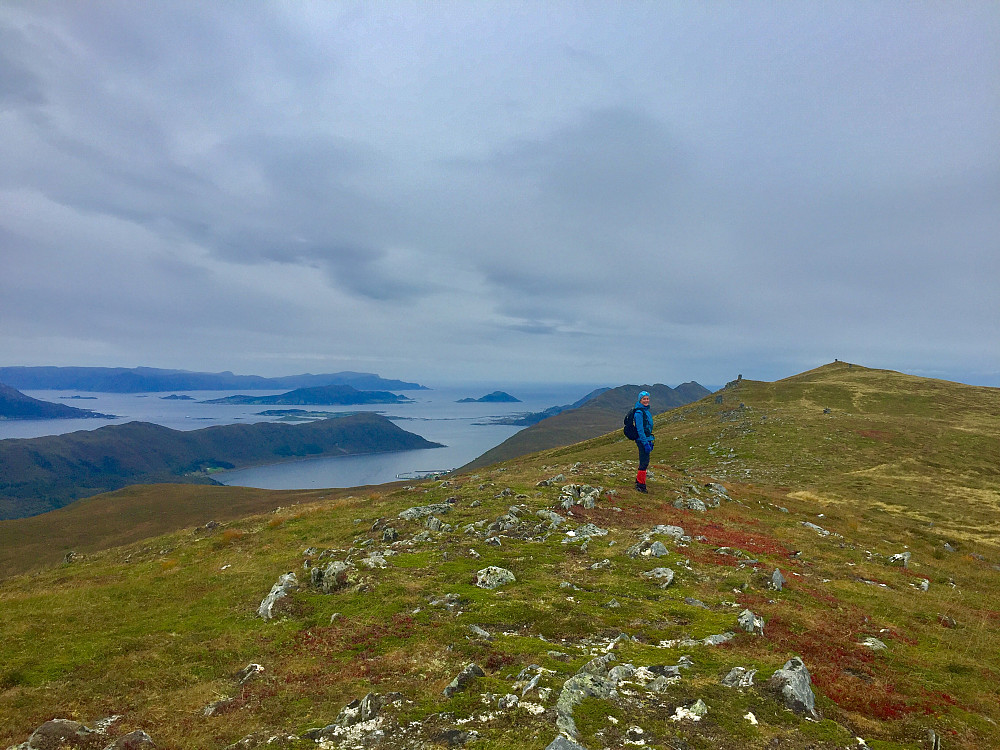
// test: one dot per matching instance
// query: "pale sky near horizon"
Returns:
(585, 192)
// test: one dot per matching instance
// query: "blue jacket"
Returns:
(643, 422)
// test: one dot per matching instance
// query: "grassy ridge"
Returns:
(155, 630)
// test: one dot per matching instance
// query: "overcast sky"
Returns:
(590, 192)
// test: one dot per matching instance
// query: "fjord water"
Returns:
(433, 414)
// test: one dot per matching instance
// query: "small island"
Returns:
(497, 397)
(176, 397)
(322, 395)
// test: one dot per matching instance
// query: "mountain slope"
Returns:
(16, 405)
(40, 474)
(152, 379)
(893, 617)
(595, 416)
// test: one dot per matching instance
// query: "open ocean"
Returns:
(433, 414)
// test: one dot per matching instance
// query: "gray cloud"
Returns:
(566, 192)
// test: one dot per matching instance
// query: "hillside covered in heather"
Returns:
(816, 566)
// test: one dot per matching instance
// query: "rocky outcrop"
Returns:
(463, 679)
(794, 685)
(284, 585)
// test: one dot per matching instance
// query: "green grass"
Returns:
(155, 629)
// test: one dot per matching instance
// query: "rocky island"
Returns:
(497, 397)
(322, 395)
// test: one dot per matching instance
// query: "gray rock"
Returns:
(590, 530)
(137, 740)
(777, 580)
(285, 584)
(358, 711)
(675, 532)
(818, 529)
(575, 690)
(924, 585)
(493, 577)
(552, 517)
(690, 503)
(334, 576)
(551, 481)
(562, 743)
(57, 734)
(479, 632)
(604, 564)
(248, 673)
(389, 535)
(717, 640)
(695, 602)
(900, 558)
(656, 549)
(793, 683)
(463, 679)
(739, 677)
(663, 576)
(873, 643)
(750, 622)
(508, 702)
(418, 512)
(598, 666)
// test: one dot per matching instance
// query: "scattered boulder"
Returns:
(750, 622)
(285, 584)
(551, 481)
(389, 535)
(462, 680)
(739, 677)
(873, 643)
(793, 683)
(777, 580)
(333, 577)
(418, 512)
(563, 743)
(493, 577)
(690, 503)
(900, 558)
(663, 576)
(248, 673)
(57, 734)
(360, 710)
(818, 529)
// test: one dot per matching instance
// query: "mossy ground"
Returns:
(156, 630)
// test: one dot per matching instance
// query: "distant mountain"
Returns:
(322, 395)
(41, 474)
(15, 405)
(151, 380)
(596, 416)
(497, 397)
(526, 420)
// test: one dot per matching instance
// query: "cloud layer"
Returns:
(573, 192)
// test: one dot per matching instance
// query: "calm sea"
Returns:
(433, 414)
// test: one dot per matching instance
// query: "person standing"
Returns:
(644, 429)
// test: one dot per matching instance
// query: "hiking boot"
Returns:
(640, 487)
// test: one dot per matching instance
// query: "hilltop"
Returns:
(599, 412)
(41, 474)
(817, 562)
(328, 394)
(16, 405)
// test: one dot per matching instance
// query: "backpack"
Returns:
(630, 432)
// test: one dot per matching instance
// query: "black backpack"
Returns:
(630, 432)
